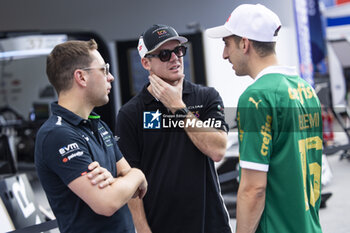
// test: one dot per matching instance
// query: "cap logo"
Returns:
(140, 47)
(228, 18)
(277, 30)
(161, 32)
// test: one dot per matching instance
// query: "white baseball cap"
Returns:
(255, 22)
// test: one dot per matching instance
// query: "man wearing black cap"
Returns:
(174, 130)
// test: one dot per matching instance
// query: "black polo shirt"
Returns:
(65, 145)
(183, 191)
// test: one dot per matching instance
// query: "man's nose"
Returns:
(110, 77)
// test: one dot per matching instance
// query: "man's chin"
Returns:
(173, 80)
(103, 102)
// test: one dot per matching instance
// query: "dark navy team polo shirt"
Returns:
(183, 190)
(65, 145)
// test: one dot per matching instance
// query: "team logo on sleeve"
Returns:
(72, 156)
(151, 120)
(69, 148)
(254, 102)
(267, 136)
(241, 132)
(70, 151)
(221, 110)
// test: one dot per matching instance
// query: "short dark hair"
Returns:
(263, 49)
(65, 58)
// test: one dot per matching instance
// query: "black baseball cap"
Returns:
(155, 36)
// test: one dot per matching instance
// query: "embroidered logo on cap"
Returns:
(277, 30)
(161, 32)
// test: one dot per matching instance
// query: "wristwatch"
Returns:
(180, 114)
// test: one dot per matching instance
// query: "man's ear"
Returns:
(146, 63)
(80, 77)
(245, 44)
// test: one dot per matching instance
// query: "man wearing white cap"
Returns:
(280, 129)
(174, 130)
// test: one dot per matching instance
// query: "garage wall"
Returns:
(120, 20)
(125, 20)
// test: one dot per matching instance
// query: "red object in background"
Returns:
(338, 2)
(327, 121)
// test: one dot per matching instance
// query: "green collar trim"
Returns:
(94, 117)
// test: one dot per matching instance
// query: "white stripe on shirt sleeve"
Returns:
(254, 166)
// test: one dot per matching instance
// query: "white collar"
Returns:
(288, 70)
